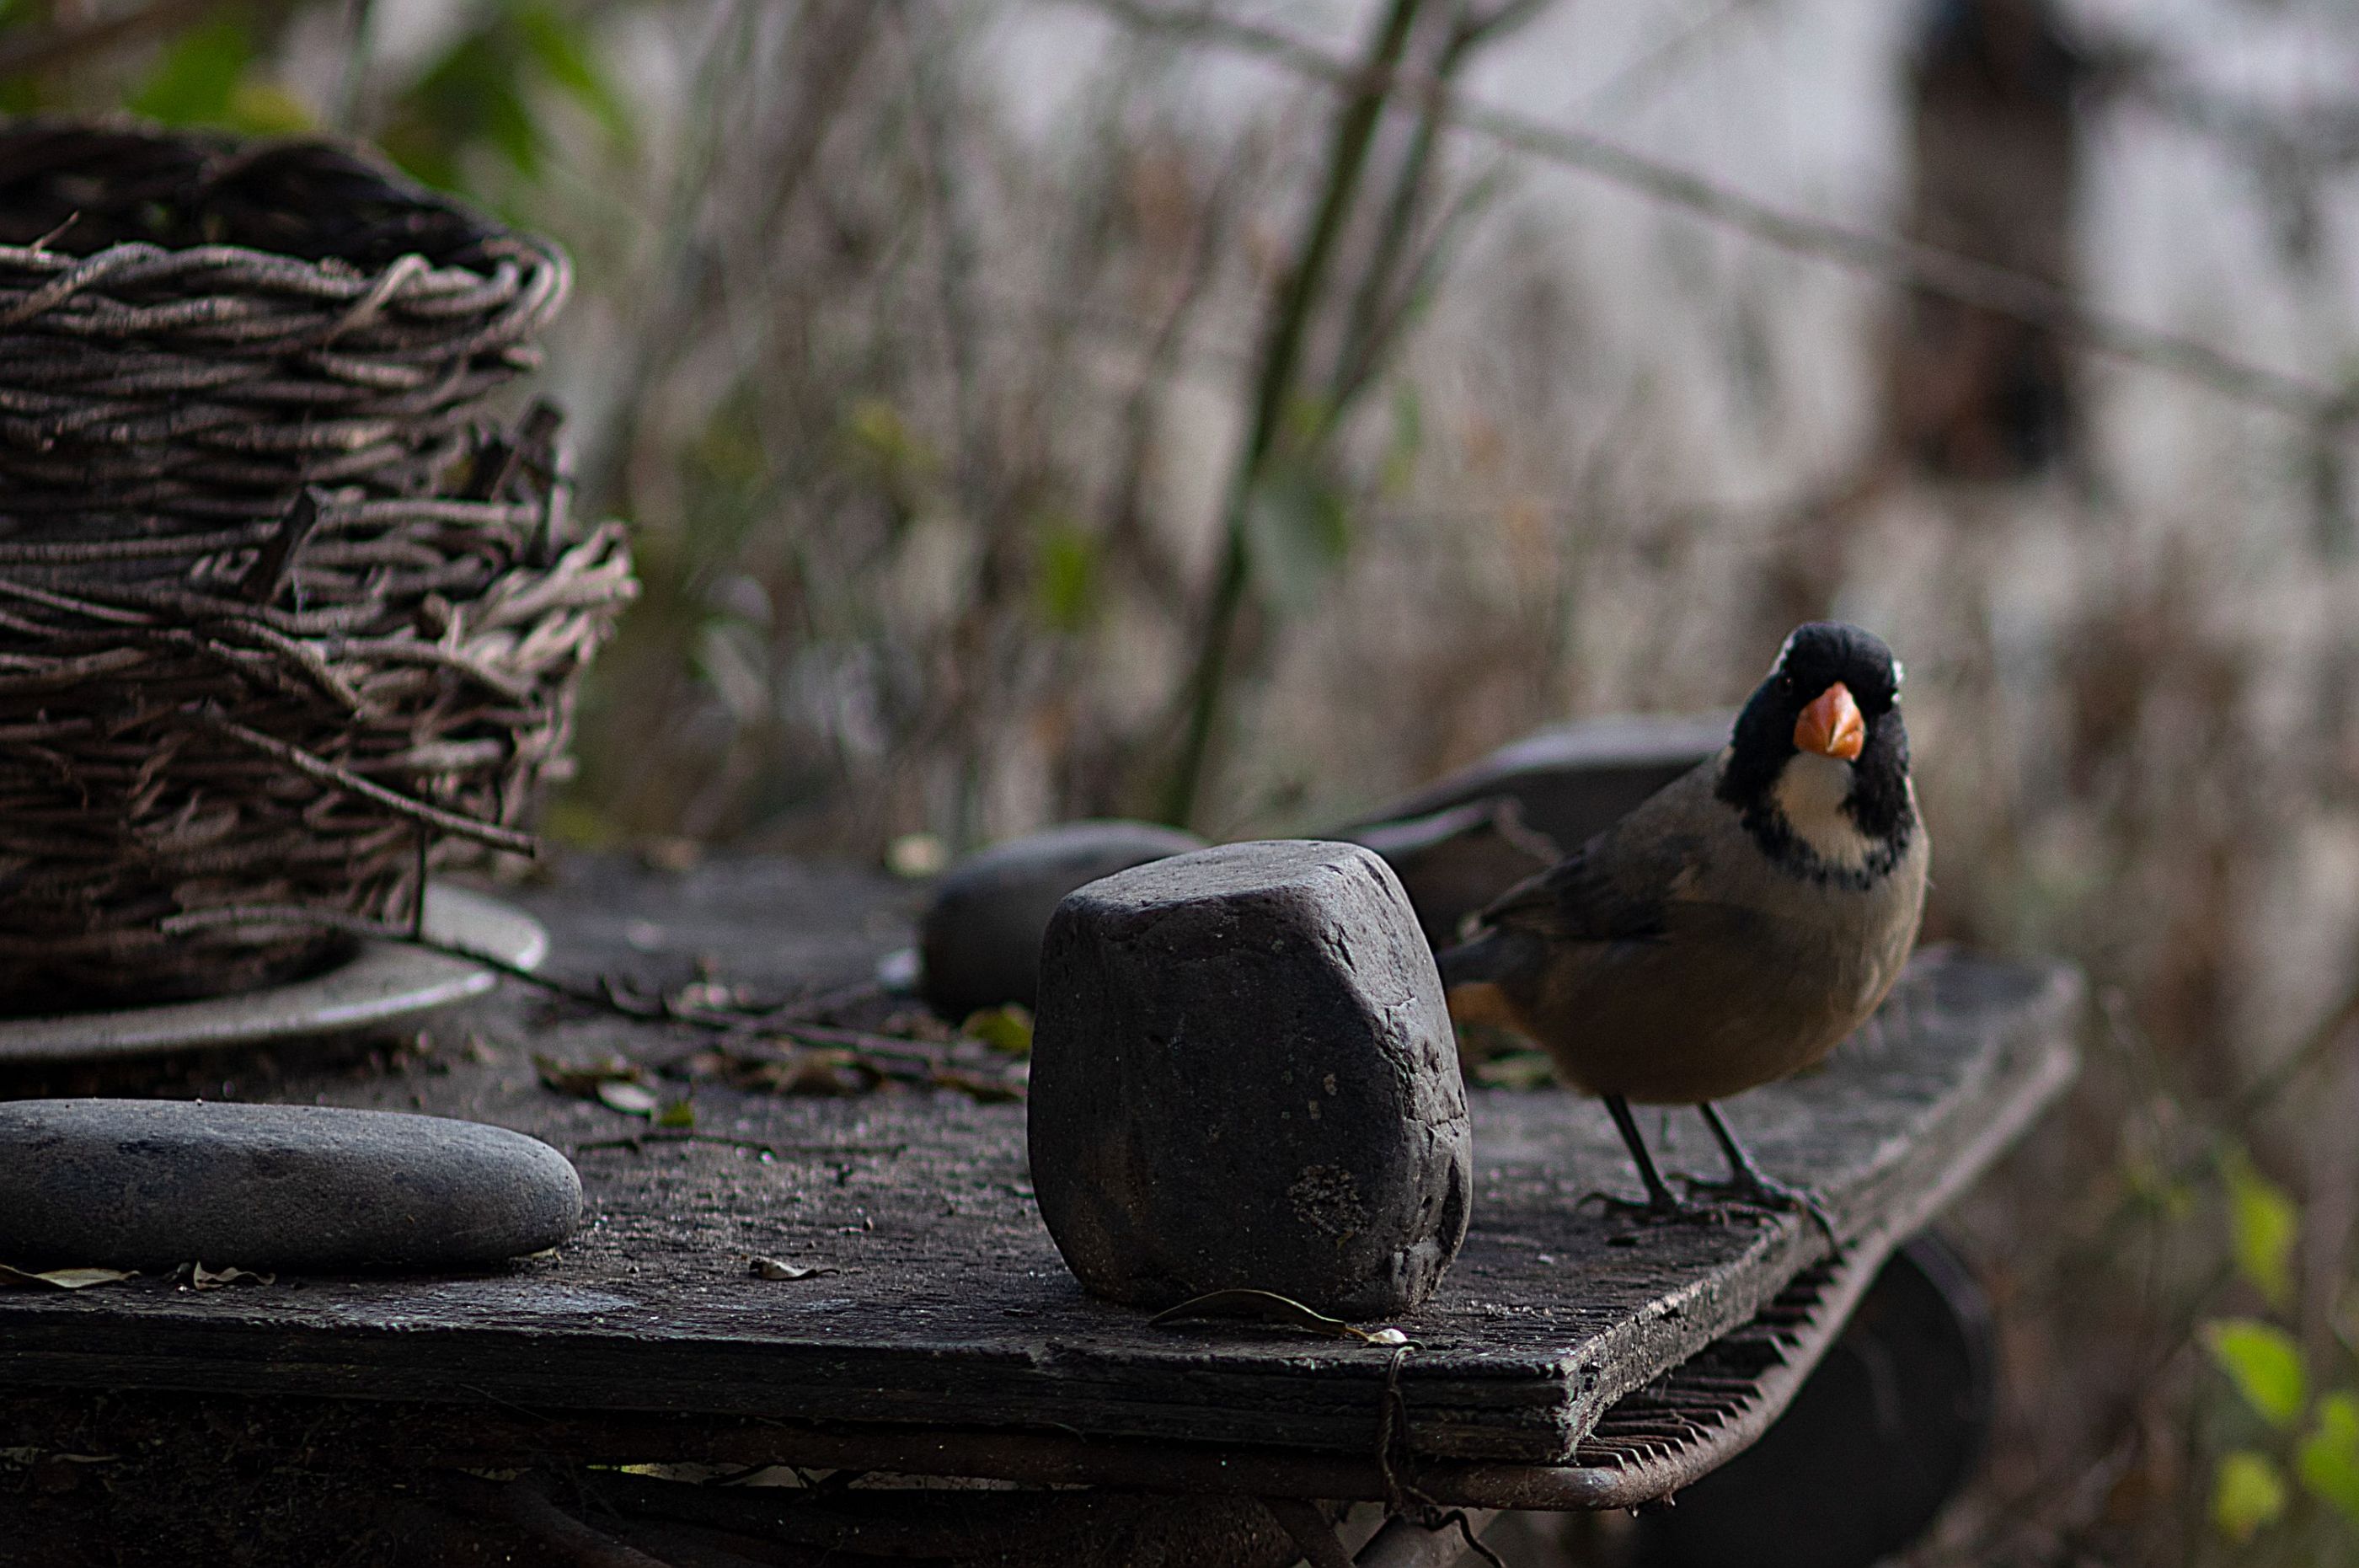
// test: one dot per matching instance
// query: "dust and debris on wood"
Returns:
(950, 1283)
(779, 1269)
(1269, 1307)
(811, 1046)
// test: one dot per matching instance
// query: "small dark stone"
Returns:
(981, 936)
(153, 1183)
(1243, 1077)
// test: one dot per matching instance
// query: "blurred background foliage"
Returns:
(1033, 410)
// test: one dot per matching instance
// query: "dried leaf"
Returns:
(916, 854)
(584, 1079)
(919, 1025)
(818, 1070)
(631, 1099)
(1008, 1029)
(1516, 1069)
(64, 1279)
(200, 1278)
(776, 1269)
(710, 996)
(986, 1088)
(1268, 1306)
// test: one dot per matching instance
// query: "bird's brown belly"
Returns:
(1682, 1037)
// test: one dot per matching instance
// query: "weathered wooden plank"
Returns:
(950, 1307)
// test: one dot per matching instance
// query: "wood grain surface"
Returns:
(943, 1304)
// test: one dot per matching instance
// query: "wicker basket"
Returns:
(282, 619)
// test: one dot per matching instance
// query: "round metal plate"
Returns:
(382, 982)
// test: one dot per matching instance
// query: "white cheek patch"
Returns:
(1809, 793)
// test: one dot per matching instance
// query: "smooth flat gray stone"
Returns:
(1243, 1077)
(151, 1184)
(980, 938)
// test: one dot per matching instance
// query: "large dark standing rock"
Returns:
(981, 936)
(153, 1183)
(1243, 1076)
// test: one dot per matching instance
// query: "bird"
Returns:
(1733, 927)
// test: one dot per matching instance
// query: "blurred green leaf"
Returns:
(2151, 1184)
(1065, 579)
(1008, 1029)
(1304, 421)
(2265, 1224)
(1399, 466)
(1516, 1069)
(897, 457)
(2250, 1493)
(479, 92)
(266, 109)
(2264, 1363)
(681, 1114)
(559, 46)
(1298, 528)
(470, 95)
(2329, 1460)
(200, 71)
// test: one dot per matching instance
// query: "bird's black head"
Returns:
(1834, 700)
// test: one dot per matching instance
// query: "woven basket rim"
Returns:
(34, 146)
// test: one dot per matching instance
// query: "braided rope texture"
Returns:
(284, 618)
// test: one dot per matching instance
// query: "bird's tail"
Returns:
(1484, 959)
(1470, 973)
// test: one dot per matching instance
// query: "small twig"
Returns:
(860, 1040)
(815, 1008)
(636, 1143)
(326, 772)
(1286, 329)
(276, 559)
(418, 894)
(1944, 273)
(902, 1061)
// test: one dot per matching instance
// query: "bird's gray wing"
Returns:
(1586, 897)
(1636, 881)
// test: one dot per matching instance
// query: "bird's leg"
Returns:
(1747, 1182)
(1660, 1200)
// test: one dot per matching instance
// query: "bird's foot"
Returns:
(1755, 1191)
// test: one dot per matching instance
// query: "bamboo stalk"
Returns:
(1349, 146)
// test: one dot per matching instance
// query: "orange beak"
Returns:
(1830, 725)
